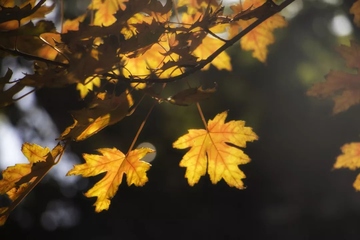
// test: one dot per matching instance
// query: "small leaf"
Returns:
(210, 151)
(350, 157)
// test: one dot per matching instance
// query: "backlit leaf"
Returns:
(106, 9)
(350, 158)
(258, 39)
(203, 45)
(105, 110)
(20, 179)
(115, 164)
(216, 151)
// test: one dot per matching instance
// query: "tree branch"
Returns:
(203, 63)
(32, 57)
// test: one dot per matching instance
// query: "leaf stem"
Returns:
(202, 115)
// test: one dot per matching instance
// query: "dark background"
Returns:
(292, 191)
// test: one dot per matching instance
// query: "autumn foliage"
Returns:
(132, 45)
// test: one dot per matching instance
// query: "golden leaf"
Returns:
(88, 85)
(20, 179)
(350, 157)
(106, 109)
(356, 184)
(115, 164)
(208, 45)
(211, 151)
(258, 39)
(104, 16)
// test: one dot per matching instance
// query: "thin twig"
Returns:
(32, 57)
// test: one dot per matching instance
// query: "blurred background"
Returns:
(292, 191)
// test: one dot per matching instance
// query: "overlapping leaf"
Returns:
(106, 9)
(258, 39)
(342, 87)
(115, 164)
(216, 151)
(105, 110)
(11, 14)
(20, 179)
(202, 44)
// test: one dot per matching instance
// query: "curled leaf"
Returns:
(191, 95)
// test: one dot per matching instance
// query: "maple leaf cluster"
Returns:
(132, 45)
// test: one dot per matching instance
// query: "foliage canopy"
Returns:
(120, 53)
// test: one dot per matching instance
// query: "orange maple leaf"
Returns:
(350, 158)
(115, 164)
(258, 39)
(216, 151)
(355, 9)
(342, 87)
(20, 179)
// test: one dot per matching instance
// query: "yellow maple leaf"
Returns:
(105, 10)
(20, 179)
(88, 85)
(350, 158)
(258, 39)
(72, 24)
(355, 9)
(152, 60)
(356, 183)
(211, 151)
(342, 87)
(208, 45)
(115, 164)
(106, 109)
